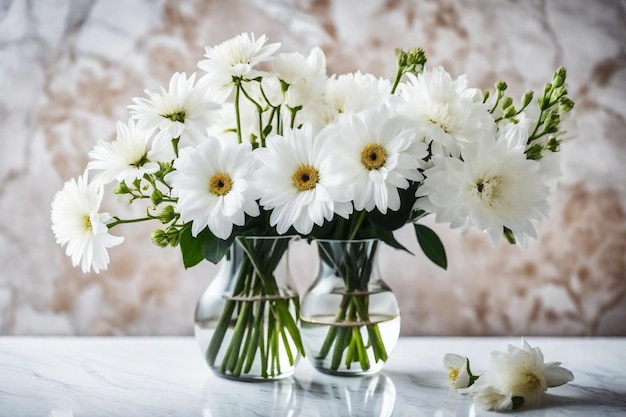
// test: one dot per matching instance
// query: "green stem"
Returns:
(121, 221)
(397, 80)
(237, 114)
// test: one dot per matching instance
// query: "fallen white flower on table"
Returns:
(458, 371)
(518, 377)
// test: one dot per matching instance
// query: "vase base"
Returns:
(252, 378)
(349, 373)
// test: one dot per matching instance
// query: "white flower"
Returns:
(352, 93)
(493, 187)
(236, 58)
(299, 181)
(305, 77)
(458, 370)
(212, 182)
(181, 111)
(77, 224)
(449, 113)
(127, 158)
(518, 373)
(379, 156)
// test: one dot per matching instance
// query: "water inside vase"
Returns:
(315, 331)
(245, 354)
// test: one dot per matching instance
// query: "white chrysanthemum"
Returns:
(237, 58)
(380, 155)
(181, 111)
(493, 187)
(127, 158)
(77, 224)
(449, 113)
(520, 372)
(352, 93)
(457, 367)
(299, 181)
(212, 183)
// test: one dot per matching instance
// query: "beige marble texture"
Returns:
(69, 68)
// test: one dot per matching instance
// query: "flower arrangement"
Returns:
(265, 144)
(515, 378)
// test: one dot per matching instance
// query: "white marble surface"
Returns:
(79, 377)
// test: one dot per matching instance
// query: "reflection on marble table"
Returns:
(74, 377)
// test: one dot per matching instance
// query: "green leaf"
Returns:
(214, 248)
(431, 245)
(387, 236)
(190, 247)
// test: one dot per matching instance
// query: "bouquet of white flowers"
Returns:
(266, 144)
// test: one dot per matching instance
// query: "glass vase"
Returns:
(246, 320)
(350, 319)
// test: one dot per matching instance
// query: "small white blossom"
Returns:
(181, 111)
(236, 57)
(77, 223)
(352, 93)
(458, 370)
(127, 158)
(449, 113)
(519, 375)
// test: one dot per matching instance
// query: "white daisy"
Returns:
(351, 93)
(181, 111)
(299, 181)
(449, 113)
(380, 155)
(235, 58)
(77, 224)
(521, 373)
(127, 158)
(493, 187)
(212, 183)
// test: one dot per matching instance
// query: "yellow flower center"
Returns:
(305, 178)
(220, 184)
(88, 225)
(453, 374)
(373, 156)
(527, 382)
(487, 190)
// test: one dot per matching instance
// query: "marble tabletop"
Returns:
(80, 377)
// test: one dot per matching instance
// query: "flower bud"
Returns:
(558, 79)
(121, 188)
(156, 197)
(527, 98)
(507, 102)
(173, 236)
(566, 104)
(159, 238)
(501, 85)
(167, 215)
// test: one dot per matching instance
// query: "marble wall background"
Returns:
(69, 68)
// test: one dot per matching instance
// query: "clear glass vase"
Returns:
(246, 320)
(350, 319)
